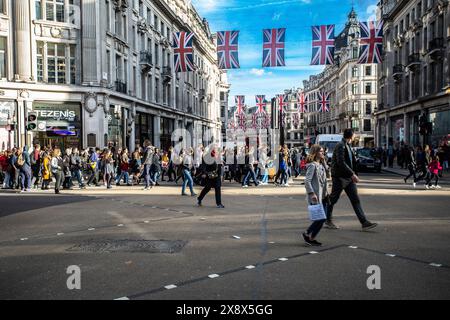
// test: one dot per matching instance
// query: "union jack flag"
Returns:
(323, 45)
(282, 102)
(261, 103)
(371, 42)
(227, 49)
(324, 102)
(183, 51)
(240, 102)
(273, 47)
(302, 103)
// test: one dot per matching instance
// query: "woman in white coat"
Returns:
(316, 190)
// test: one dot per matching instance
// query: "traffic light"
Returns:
(32, 121)
(129, 127)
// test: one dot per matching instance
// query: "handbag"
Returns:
(316, 212)
(212, 175)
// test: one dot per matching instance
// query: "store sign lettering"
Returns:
(57, 115)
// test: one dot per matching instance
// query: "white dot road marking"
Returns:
(91, 229)
(353, 247)
(120, 225)
(313, 252)
(271, 242)
(23, 239)
(146, 221)
(154, 207)
(170, 286)
(435, 265)
(123, 298)
(202, 218)
(214, 275)
(390, 255)
(60, 233)
(236, 237)
(250, 267)
(283, 259)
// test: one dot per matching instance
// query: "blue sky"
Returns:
(250, 17)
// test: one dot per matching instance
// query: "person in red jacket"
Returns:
(434, 168)
(4, 168)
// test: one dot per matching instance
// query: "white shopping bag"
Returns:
(316, 212)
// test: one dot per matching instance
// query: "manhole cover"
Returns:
(148, 246)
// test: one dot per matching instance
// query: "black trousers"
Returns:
(212, 183)
(59, 177)
(347, 185)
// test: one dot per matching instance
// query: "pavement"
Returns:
(405, 172)
(157, 245)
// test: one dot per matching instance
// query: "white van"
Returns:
(329, 141)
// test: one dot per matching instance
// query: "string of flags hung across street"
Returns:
(323, 47)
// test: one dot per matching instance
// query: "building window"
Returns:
(354, 89)
(355, 53)
(38, 9)
(368, 107)
(40, 61)
(108, 16)
(56, 63)
(73, 65)
(368, 88)
(355, 72)
(367, 125)
(368, 71)
(3, 56)
(55, 10)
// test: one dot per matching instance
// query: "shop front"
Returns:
(143, 128)
(398, 129)
(440, 120)
(6, 124)
(115, 136)
(58, 125)
(167, 128)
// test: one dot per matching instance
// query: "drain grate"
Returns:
(145, 246)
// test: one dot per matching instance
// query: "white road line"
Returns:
(91, 229)
(271, 242)
(170, 286)
(214, 275)
(146, 221)
(236, 237)
(250, 267)
(23, 239)
(154, 207)
(283, 259)
(390, 255)
(122, 298)
(120, 225)
(438, 265)
(313, 252)
(60, 233)
(353, 247)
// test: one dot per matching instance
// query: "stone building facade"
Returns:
(414, 78)
(100, 72)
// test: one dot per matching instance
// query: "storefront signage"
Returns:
(57, 114)
(6, 112)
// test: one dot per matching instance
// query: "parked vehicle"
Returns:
(368, 159)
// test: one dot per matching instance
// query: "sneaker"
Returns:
(199, 202)
(330, 225)
(193, 195)
(245, 186)
(220, 206)
(184, 194)
(368, 225)
(404, 179)
(427, 187)
(308, 241)
(438, 187)
(316, 243)
(414, 184)
(433, 187)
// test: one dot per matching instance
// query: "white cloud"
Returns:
(259, 72)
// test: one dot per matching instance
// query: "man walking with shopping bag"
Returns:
(344, 177)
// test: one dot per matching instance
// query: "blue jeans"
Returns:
(250, 173)
(25, 177)
(147, 177)
(155, 176)
(125, 175)
(283, 176)
(187, 181)
(77, 174)
(265, 177)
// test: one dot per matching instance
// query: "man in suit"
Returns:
(344, 177)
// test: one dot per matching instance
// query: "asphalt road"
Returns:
(135, 244)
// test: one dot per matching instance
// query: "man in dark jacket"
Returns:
(344, 177)
(147, 161)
